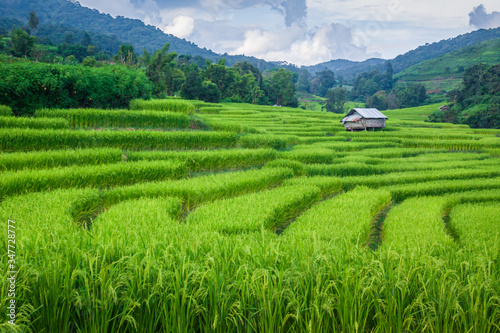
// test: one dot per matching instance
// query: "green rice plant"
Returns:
(416, 225)
(492, 142)
(267, 210)
(23, 122)
(310, 156)
(230, 126)
(200, 104)
(45, 286)
(297, 167)
(343, 169)
(446, 144)
(440, 187)
(83, 118)
(399, 152)
(477, 226)
(278, 142)
(449, 156)
(210, 110)
(354, 146)
(412, 183)
(192, 191)
(172, 105)
(14, 183)
(211, 159)
(346, 217)
(28, 140)
(5, 111)
(137, 223)
(59, 158)
(196, 190)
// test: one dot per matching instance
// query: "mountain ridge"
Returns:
(72, 14)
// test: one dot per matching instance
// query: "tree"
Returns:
(86, 41)
(245, 67)
(33, 21)
(336, 100)
(323, 81)
(68, 38)
(303, 81)
(220, 75)
(281, 88)
(163, 72)
(210, 92)
(22, 43)
(126, 55)
(192, 87)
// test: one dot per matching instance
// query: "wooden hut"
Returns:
(363, 119)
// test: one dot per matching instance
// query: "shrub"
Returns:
(26, 87)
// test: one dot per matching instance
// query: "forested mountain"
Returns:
(453, 64)
(61, 17)
(56, 13)
(349, 69)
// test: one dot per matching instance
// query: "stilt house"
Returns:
(363, 119)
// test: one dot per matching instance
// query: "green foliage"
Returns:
(28, 140)
(5, 111)
(59, 158)
(476, 226)
(22, 43)
(83, 118)
(327, 220)
(13, 183)
(23, 122)
(279, 142)
(163, 73)
(271, 249)
(195, 191)
(322, 83)
(256, 212)
(172, 105)
(281, 89)
(210, 160)
(456, 61)
(336, 100)
(26, 87)
(477, 103)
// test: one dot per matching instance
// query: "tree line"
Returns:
(477, 102)
(169, 73)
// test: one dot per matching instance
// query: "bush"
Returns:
(5, 111)
(26, 87)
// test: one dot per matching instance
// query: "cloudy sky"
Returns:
(307, 32)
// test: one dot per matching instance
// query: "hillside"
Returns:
(452, 65)
(348, 69)
(446, 72)
(132, 31)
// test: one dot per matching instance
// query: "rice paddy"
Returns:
(182, 216)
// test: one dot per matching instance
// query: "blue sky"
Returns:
(307, 32)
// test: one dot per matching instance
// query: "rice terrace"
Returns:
(310, 166)
(276, 220)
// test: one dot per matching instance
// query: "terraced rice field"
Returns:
(179, 216)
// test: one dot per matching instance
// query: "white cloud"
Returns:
(330, 41)
(181, 26)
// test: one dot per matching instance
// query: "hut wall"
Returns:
(377, 123)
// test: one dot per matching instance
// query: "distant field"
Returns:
(248, 218)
